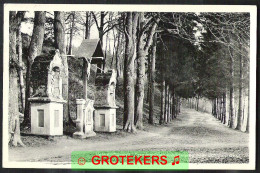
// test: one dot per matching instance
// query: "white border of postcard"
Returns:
(152, 8)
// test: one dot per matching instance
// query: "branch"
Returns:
(95, 19)
(150, 36)
(111, 27)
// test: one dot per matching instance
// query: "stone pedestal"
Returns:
(46, 116)
(105, 104)
(105, 119)
(84, 121)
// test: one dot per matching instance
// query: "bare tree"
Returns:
(59, 38)
(162, 102)
(130, 34)
(152, 80)
(34, 50)
(13, 111)
(142, 52)
(119, 52)
(71, 31)
(104, 26)
(21, 64)
(88, 24)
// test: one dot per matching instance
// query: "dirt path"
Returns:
(204, 137)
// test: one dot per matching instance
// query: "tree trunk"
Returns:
(59, 37)
(179, 104)
(152, 80)
(140, 75)
(88, 25)
(105, 57)
(129, 72)
(217, 107)
(174, 106)
(13, 108)
(71, 32)
(140, 88)
(168, 106)
(34, 50)
(114, 49)
(101, 34)
(142, 51)
(14, 120)
(220, 108)
(101, 27)
(162, 102)
(217, 111)
(231, 93)
(165, 103)
(248, 109)
(149, 78)
(118, 68)
(214, 107)
(172, 112)
(197, 103)
(224, 108)
(21, 67)
(239, 115)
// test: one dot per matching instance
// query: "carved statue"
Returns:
(105, 89)
(111, 91)
(54, 77)
(55, 82)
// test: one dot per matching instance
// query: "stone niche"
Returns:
(105, 104)
(46, 103)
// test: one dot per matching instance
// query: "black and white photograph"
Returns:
(86, 77)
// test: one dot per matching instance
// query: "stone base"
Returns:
(90, 134)
(105, 119)
(81, 135)
(46, 116)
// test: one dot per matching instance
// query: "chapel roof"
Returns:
(89, 48)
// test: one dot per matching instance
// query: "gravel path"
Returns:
(202, 135)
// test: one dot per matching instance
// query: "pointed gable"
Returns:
(90, 48)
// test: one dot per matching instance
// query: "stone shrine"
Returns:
(105, 105)
(46, 103)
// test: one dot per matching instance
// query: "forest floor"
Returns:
(202, 135)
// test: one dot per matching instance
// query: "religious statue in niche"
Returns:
(112, 99)
(55, 82)
(46, 80)
(105, 89)
(55, 78)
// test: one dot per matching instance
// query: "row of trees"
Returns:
(223, 67)
(233, 36)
